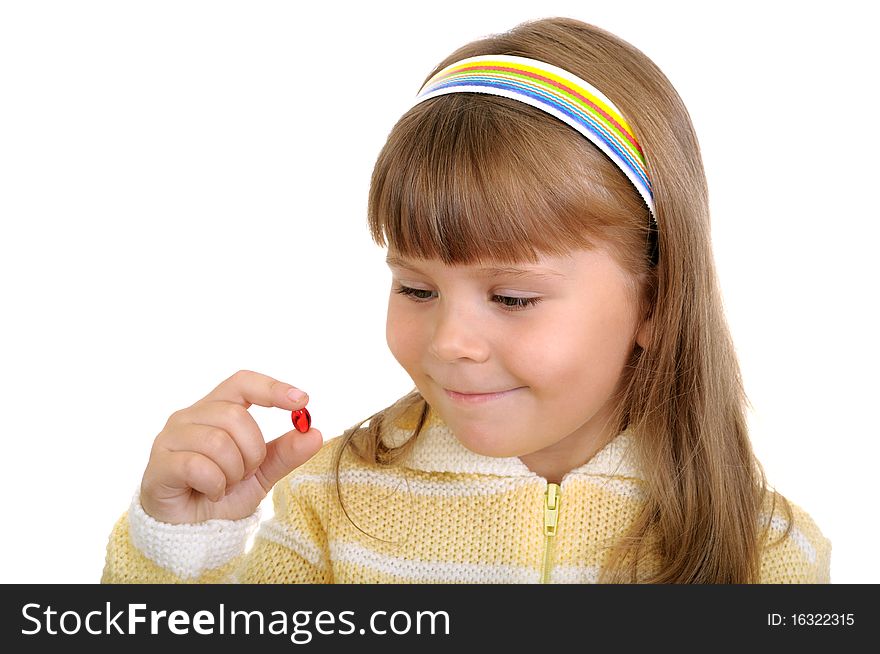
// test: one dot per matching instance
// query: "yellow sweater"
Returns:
(447, 515)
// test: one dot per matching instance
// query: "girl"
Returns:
(578, 413)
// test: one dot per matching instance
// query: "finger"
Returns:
(287, 452)
(198, 472)
(214, 443)
(247, 388)
(235, 420)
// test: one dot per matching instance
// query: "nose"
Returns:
(458, 334)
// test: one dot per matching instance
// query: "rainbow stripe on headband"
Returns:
(557, 92)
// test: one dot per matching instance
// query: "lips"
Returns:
(478, 398)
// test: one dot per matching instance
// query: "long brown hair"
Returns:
(470, 178)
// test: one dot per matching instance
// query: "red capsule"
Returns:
(301, 420)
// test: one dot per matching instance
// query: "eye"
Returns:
(507, 303)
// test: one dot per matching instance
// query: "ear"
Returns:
(645, 333)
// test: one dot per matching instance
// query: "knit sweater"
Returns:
(444, 515)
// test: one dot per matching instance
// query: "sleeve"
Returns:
(802, 557)
(288, 548)
(144, 550)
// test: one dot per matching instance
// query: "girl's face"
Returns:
(554, 337)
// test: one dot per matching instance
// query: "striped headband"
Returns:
(572, 100)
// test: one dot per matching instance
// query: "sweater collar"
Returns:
(438, 450)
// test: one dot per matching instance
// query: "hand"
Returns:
(211, 460)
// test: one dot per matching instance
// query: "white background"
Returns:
(183, 189)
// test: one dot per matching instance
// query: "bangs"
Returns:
(471, 178)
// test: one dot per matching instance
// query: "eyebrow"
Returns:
(490, 271)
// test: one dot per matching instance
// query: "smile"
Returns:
(478, 398)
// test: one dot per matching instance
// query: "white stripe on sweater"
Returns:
(779, 524)
(292, 538)
(574, 574)
(454, 488)
(432, 571)
(460, 488)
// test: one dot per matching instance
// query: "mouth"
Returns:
(479, 398)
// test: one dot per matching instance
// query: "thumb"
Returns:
(288, 452)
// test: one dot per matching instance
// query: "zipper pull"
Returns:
(551, 509)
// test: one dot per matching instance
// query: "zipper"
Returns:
(551, 519)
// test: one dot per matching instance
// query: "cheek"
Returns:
(401, 334)
(392, 330)
(588, 349)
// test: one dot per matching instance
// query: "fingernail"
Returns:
(296, 395)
